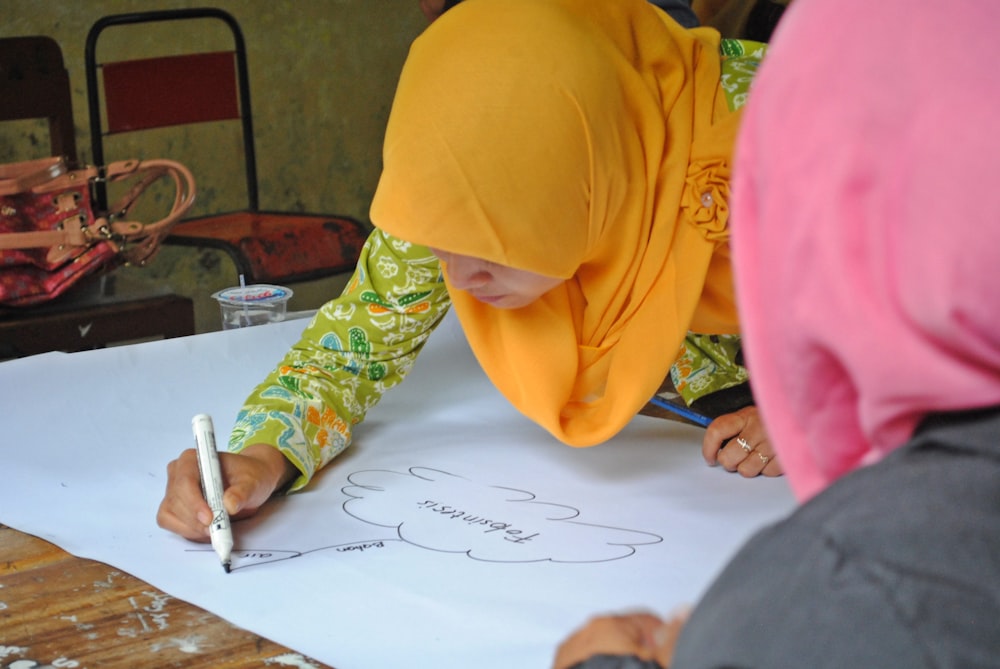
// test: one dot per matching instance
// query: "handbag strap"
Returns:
(141, 240)
(145, 237)
(23, 176)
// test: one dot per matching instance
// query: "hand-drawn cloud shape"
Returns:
(444, 512)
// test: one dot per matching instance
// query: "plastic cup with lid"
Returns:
(256, 304)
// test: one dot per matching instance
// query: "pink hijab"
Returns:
(866, 227)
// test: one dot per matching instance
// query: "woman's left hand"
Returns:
(738, 442)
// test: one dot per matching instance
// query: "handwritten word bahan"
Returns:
(361, 547)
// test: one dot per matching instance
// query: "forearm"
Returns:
(357, 347)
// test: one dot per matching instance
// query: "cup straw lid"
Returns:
(260, 293)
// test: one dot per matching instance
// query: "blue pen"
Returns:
(683, 411)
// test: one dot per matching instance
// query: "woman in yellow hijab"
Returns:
(586, 143)
(567, 162)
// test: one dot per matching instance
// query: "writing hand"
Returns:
(251, 477)
(739, 442)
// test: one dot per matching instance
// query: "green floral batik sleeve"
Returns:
(741, 59)
(357, 347)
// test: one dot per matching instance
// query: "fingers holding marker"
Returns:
(758, 462)
(750, 458)
(732, 437)
(739, 443)
(735, 452)
(183, 509)
(717, 434)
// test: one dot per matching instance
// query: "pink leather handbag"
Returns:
(51, 237)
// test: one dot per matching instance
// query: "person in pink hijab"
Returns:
(866, 245)
(867, 234)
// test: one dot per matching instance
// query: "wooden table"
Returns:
(57, 610)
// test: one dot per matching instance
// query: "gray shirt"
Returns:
(894, 565)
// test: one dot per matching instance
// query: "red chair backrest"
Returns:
(132, 102)
(170, 90)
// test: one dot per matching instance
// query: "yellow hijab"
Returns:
(581, 139)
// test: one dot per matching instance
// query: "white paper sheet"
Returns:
(454, 533)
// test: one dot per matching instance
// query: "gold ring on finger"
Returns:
(744, 444)
(764, 458)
